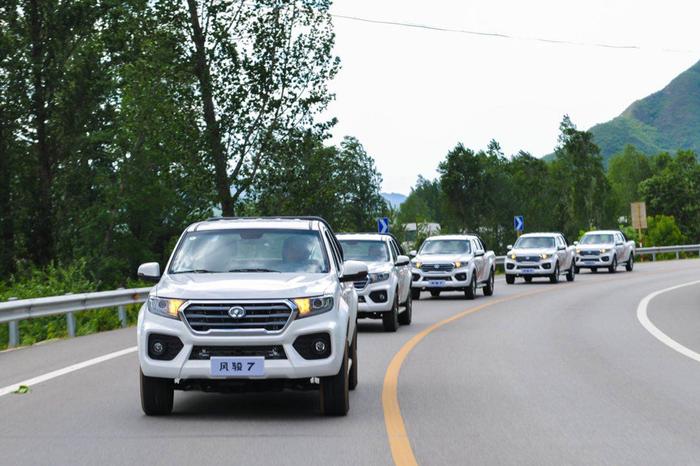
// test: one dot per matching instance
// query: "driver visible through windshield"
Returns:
(445, 246)
(535, 242)
(250, 251)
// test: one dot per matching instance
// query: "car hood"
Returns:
(441, 258)
(374, 267)
(243, 285)
(532, 251)
(594, 247)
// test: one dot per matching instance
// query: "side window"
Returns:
(334, 253)
(394, 250)
(480, 245)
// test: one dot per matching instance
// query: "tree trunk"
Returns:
(42, 232)
(7, 240)
(216, 146)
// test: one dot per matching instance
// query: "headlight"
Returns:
(458, 264)
(378, 277)
(165, 307)
(578, 251)
(544, 256)
(313, 306)
(603, 250)
(417, 265)
(512, 256)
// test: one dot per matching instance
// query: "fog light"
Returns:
(158, 348)
(320, 346)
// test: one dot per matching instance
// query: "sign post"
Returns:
(518, 224)
(639, 217)
(383, 225)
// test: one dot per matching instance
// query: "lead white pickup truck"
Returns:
(604, 249)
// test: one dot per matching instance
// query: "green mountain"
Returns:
(667, 120)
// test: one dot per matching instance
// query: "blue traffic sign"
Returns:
(518, 223)
(383, 225)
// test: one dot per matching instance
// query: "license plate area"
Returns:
(437, 283)
(527, 270)
(230, 366)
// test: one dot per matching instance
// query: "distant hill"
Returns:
(394, 199)
(667, 120)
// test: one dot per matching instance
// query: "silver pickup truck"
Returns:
(540, 255)
(604, 249)
(453, 263)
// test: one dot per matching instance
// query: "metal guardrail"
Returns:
(652, 251)
(14, 310)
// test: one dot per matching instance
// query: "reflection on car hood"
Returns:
(532, 251)
(441, 258)
(374, 267)
(243, 285)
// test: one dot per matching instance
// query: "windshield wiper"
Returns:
(253, 270)
(195, 271)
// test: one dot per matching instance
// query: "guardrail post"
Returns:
(70, 320)
(13, 331)
(678, 255)
(653, 256)
(122, 312)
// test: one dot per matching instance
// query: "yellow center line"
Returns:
(401, 449)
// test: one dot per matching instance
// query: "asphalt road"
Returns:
(557, 374)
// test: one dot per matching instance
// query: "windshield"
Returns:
(250, 250)
(445, 246)
(597, 239)
(364, 250)
(535, 242)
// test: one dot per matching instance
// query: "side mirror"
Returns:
(575, 243)
(354, 271)
(619, 243)
(413, 253)
(150, 271)
(509, 247)
(402, 260)
(479, 253)
(561, 248)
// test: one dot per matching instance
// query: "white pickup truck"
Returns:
(604, 249)
(453, 263)
(251, 304)
(540, 255)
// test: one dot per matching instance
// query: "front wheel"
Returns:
(390, 319)
(613, 266)
(490, 285)
(415, 293)
(335, 394)
(630, 263)
(554, 278)
(156, 395)
(352, 382)
(510, 279)
(470, 292)
(407, 315)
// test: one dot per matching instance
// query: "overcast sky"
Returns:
(410, 95)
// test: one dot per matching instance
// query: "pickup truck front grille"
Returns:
(256, 316)
(437, 267)
(208, 352)
(590, 253)
(527, 258)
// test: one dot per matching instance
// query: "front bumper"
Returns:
(376, 297)
(293, 367)
(590, 261)
(544, 267)
(455, 279)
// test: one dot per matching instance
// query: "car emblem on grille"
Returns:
(436, 266)
(236, 312)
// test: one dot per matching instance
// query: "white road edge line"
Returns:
(654, 330)
(66, 370)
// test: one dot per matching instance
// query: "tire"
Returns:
(415, 293)
(571, 274)
(577, 270)
(594, 270)
(490, 284)
(527, 279)
(629, 266)
(390, 319)
(156, 395)
(613, 266)
(407, 315)
(554, 278)
(510, 279)
(470, 292)
(335, 391)
(434, 293)
(352, 376)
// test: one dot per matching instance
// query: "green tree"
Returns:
(423, 204)
(626, 171)
(663, 231)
